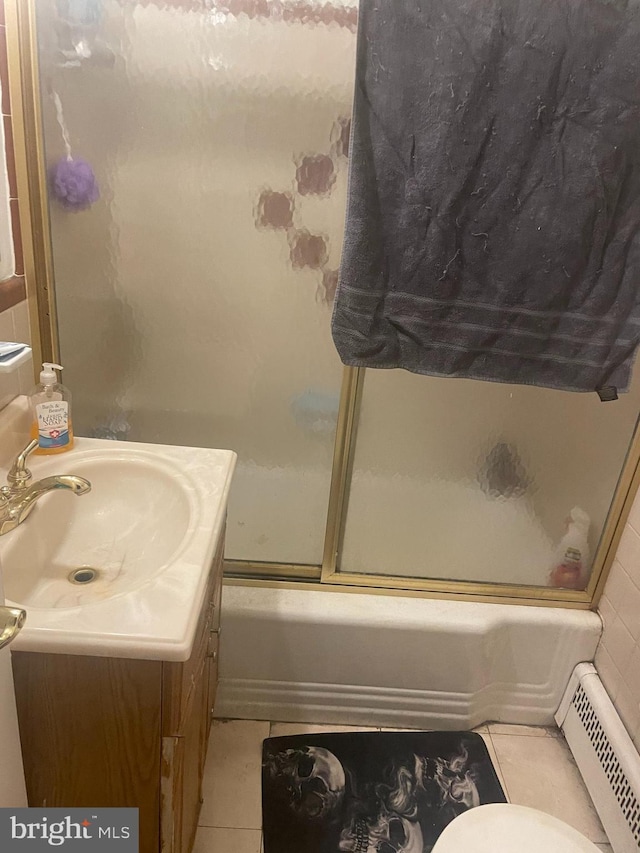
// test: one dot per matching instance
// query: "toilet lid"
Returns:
(504, 828)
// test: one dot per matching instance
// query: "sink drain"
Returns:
(83, 575)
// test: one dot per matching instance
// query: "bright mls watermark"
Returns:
(69, 830)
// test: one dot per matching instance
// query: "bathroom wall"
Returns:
(14, 326)
(618, 655)
(14, 319)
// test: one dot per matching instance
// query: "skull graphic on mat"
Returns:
(455, 779)
(388, 833)
(314, 780)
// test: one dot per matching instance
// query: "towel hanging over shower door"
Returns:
(494, 200)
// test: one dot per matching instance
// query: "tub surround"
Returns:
(322, 657)
(618, 656)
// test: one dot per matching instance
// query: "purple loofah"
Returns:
(74, 184)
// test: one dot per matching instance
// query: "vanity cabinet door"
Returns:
(181, 679)
(183, 760)
(195, 745)
(144, 723)
(188, 696)
(90, 733)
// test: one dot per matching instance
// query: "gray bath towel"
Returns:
(494, 200)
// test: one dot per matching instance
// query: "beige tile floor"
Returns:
(534, 765)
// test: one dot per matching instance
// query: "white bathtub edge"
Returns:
(324, 657)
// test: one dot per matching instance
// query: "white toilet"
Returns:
(504, 828)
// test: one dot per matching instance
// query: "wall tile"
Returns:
(12, 292)
(17, 236)
(20, 381)
(609, 672)
(634, 516)
(618, 655)
(629, 553)
(624, 596)
(617, 585)
(9, 388)
(11, 157)
(9, 382)
(619, 643)
(607, 612)
(6, 325)
(629, 610)
(631, 674)
(22, 330)
(627, 708)
(26, 379)
(4, 68)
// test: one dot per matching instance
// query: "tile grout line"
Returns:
(501, 777)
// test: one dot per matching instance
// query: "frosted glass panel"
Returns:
(480, 481)
(194, 296)
(194, 301)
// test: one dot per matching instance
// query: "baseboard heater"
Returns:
(605, 754)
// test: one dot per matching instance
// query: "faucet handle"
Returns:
(19, 476)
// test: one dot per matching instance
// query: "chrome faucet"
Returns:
(20, 495)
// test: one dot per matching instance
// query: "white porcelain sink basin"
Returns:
(121, 569)
(129, 528)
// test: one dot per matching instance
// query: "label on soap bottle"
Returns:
(53, 423)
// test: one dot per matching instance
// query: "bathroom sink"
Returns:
(120, 569)
(120, 535)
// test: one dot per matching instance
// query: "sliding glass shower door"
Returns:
(461, 480)
(194, 296)
(193, 302)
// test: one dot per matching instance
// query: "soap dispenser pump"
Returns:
(51, 409)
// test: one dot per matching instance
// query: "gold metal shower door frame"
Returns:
(24, 90)
(20, 19)
(330, 575)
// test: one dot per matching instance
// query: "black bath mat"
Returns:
(370, 792)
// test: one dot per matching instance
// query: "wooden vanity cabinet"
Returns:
(99, 731)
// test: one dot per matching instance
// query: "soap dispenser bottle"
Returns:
(51, 410)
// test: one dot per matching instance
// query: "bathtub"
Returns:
(319, 656)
